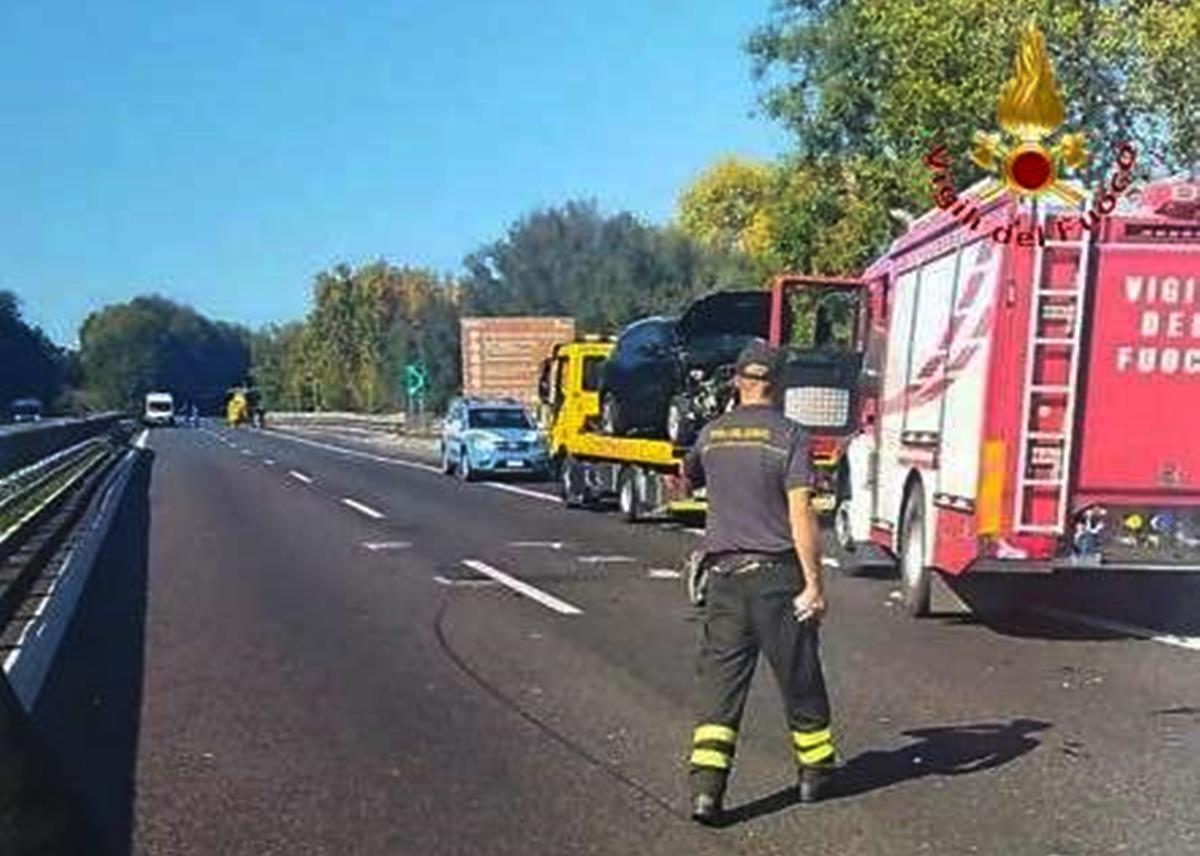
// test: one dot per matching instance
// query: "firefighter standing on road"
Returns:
(765, 589)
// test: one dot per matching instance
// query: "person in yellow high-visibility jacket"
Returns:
(235, 412)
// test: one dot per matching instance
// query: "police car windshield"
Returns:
(498, 417)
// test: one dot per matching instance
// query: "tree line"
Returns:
(862, 86)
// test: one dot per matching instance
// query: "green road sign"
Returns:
(415, 378)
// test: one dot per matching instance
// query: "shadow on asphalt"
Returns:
(1020, 605)
(952, 750)
(89, 710)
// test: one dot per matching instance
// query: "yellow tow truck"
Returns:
(595, 468)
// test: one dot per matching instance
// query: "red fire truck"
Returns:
(1030, 392)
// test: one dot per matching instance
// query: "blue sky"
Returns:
(222, 152)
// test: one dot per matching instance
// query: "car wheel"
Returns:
(680, 426)
(464, 466)
(612, 416)
(914, 570)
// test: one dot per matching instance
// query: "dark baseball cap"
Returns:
(760, 361)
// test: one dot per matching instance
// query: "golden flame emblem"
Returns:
(1029, 109)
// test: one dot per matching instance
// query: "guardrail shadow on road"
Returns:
(90, 707)
(951, 750)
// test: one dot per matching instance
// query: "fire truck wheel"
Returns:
(914, 572)
(628, 495)
(841, 526)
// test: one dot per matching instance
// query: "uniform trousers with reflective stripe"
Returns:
(748, 611)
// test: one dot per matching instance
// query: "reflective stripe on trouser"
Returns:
(752, 612)
(814, 747)
(713, 746)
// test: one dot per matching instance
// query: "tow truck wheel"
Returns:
(628, 496)
(914, 571)
(570, 483)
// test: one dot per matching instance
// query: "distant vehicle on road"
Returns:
(26, 410)
(159, 410)
(492, 436)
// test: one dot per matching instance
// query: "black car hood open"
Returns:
(728, 313)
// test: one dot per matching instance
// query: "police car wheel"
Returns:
(464, 466)
(914, 572)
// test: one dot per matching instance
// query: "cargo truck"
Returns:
(501, 357)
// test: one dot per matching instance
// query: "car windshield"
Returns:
(160, 405)
(498, 417)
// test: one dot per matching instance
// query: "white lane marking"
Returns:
(270, 462)
(547, 600)
(383, 546)
(830, 562)
(382, 459)
(1191, 643)
(300, 477)
(604, 560)
(140, 442)
(362, 509)
(523, 491)
(440, 580)
(663, 574)
(247, 452)
(550, 545)
(693, 530)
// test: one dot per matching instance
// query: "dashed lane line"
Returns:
(386, 546)
(270, 462)
(1191, 643)
(830, 562)
(298, 476)
(353, 453)
(442, 581)
(663, 574)
(362, 509)
(142, 438)
(521, 587)
(523, 491)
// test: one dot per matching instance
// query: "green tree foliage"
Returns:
(151, 343)
(32, 364)
(864, 85)
(364, 326)
(603, 270)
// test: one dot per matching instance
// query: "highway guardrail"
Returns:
(27, 444)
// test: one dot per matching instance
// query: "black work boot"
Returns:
(708, 792)
(706, 809)
(816, 783)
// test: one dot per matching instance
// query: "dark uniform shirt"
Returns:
(749, 459)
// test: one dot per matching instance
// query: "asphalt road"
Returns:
(282, 651)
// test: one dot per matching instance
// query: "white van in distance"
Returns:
(160, 409)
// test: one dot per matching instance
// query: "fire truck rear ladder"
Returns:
(1048, 305)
